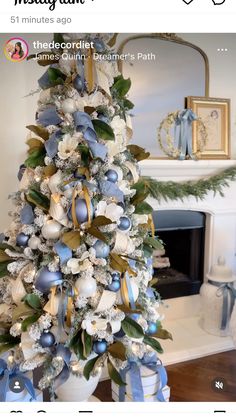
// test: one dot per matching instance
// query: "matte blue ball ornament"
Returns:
(46, 279)
(102, 249)
(81, 211)
(152, 328)
(125, 223)
(100, 347)
(47, 339)
(114, 286)
(78, 84)
(22, 240)
(112, 175)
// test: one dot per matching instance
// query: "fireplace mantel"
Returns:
(183, 170)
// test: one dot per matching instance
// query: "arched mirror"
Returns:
(166, 69)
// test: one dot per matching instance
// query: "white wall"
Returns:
(19, 79)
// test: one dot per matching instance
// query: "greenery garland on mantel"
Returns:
(174, 190)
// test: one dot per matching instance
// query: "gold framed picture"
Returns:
(215, 114)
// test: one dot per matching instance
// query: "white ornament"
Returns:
(27, 346)
(135, 292)
(86, 287)
(111, 211)
(34, 242)
(68, 106)
(51, 230)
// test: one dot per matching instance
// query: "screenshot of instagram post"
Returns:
(118, 211)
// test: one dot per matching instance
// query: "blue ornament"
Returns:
(152, 328)
(81, 211)
(125, 223)
(102, 249)
(99, 45)
(100, 347)
(111, 175)
(21, 171)
(115, 276)
(47, 339)
(78, 84)
(120, 334)
(46, 279)
(114, 286)
(22, 240)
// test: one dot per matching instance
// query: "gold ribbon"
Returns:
(125, 292)
(151, 224)
(88, 204)
(89, 70)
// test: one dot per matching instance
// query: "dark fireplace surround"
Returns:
(183, 234)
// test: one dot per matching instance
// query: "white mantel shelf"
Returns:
(183, 170)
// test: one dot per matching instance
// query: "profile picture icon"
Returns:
(16, 49)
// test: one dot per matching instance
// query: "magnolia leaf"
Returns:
(128, 105)
(89, 109)
(132, 328)
(163, 334)
(49, 171)
(139, 197)
(148, 251)
(154, 243)
(38, 199)
(71, 239)
(112, 41)
(143, 208)
(3, 269)
(153, 281)
(119, 264)
(137, 152)
(101, 221)
(97, 233)
(33, 300)
(103, 130)
(56, 76)
(44, 58)
(34, 144)
(29, 321)
(58, 38)
(22, 310)
(4, 257)
(118, 350)
(36, 158)
(87, 343)
(121, 86)
(153, 343)
(114, 374)
(89, 367)
(39, 130)
(4, 246)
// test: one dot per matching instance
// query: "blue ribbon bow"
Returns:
(133, 367)
(184, 138)
(228, 291)
(9, 373)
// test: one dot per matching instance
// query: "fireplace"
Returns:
(183, 235)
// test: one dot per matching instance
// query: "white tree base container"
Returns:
(23, 397)
(77, 389)
(150, 382)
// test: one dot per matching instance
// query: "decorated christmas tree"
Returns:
(76, 261)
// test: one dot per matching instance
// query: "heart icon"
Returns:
(187, 1)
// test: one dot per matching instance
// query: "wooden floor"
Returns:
(192, 381)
